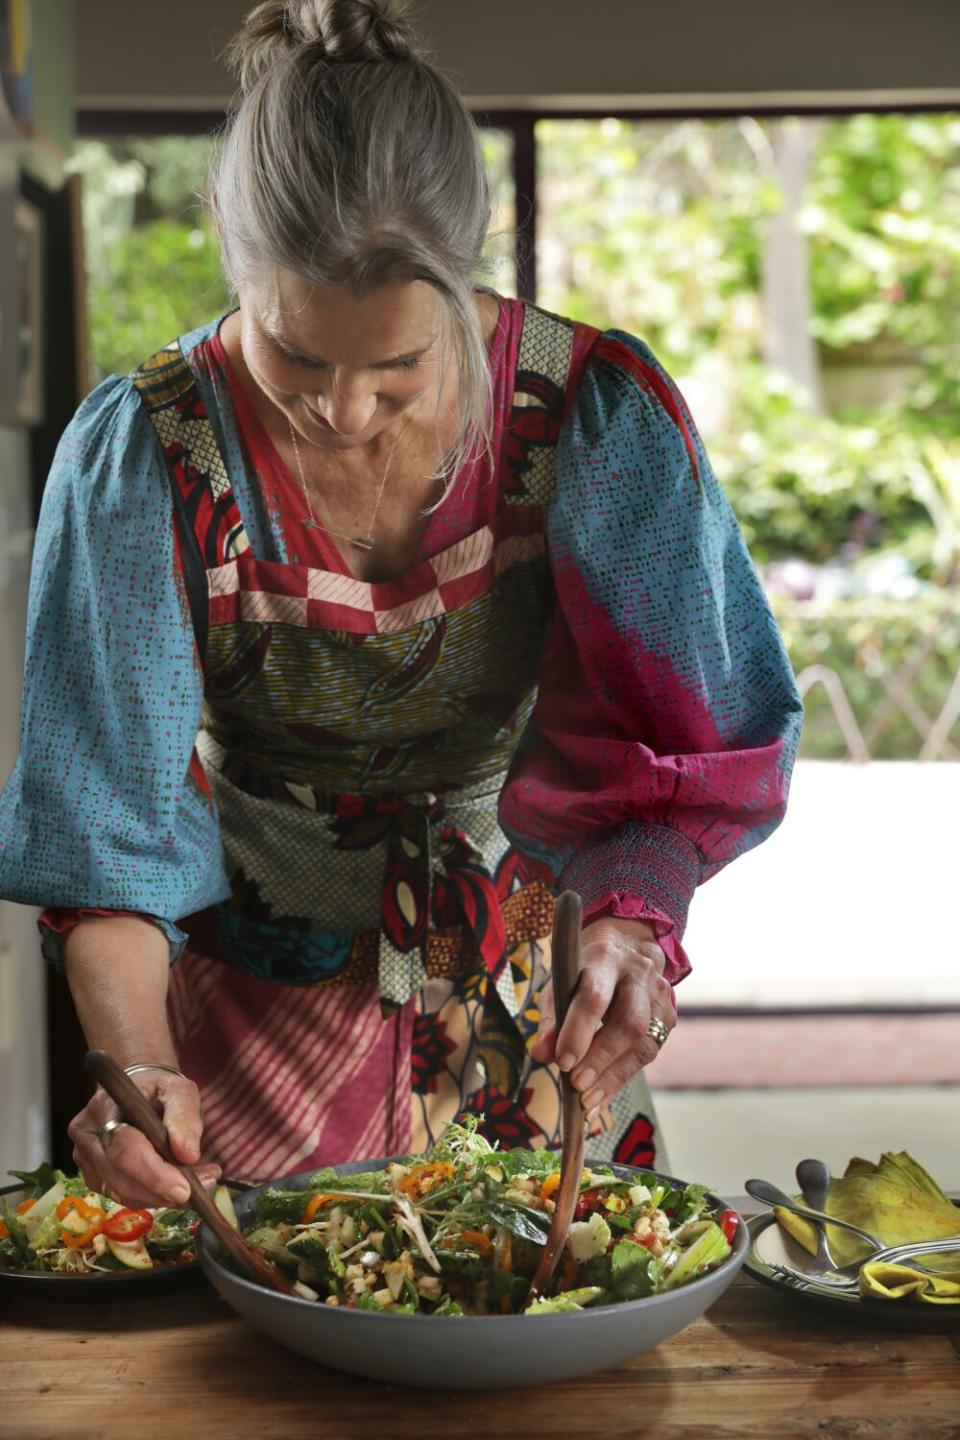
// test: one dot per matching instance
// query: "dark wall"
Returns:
(505, 51)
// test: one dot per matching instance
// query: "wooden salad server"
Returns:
(138, 1111)
(565, 966)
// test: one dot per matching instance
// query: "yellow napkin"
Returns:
(882, 1281)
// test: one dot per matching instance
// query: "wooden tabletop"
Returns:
(758, 1365)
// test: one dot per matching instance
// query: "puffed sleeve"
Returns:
(105, 807)
(667, 719)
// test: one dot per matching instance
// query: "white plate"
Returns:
(769, 1246)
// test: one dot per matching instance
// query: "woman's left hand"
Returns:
(605, 1040)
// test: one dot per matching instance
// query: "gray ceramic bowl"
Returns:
(469, 1352)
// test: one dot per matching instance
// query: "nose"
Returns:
(348, 405)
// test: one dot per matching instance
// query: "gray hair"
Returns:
(352, 160)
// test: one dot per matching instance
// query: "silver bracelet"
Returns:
(170, 1069)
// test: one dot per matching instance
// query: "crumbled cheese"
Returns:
(588, 1238)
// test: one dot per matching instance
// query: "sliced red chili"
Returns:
(127, 1225)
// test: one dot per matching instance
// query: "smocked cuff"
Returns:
(652, 861)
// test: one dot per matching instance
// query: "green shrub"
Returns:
(863, 640)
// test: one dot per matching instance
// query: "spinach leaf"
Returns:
(597, 1271)
(619, 1222)
(520, 1220)
(38, 1181)
(172, 1231)
(110, 1262)
(630, 1270)
(274, 1206)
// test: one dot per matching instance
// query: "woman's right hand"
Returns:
(123, 1163)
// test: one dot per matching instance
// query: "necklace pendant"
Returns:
(311, 524)
(362, 542)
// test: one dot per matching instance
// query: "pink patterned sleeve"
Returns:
(667, 720)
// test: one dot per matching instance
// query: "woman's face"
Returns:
(339, 367)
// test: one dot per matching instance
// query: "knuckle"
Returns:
(635, 1025)
(592, 992)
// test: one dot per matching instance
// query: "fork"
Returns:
(847, 1277)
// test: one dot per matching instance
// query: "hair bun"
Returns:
(332, 30)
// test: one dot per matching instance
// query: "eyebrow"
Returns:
(302, 357)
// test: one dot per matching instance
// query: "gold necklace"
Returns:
(362, 542)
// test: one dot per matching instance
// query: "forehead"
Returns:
(335, 324)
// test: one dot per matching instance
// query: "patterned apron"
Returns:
(375, 970)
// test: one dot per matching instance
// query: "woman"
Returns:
(448, 588)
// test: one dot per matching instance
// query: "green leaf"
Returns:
(569, 1300)
(528, 1162)
(38, 1181)
(275, 1206)
(21, 1247)
(448, 1306)
(692, 1202)
(528, 1224)
(630, 1270)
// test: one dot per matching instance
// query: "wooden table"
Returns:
(758, 1365)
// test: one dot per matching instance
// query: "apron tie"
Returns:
(433, 870)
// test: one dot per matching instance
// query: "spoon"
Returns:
(813, 1177)
(772, 1195)
(138, 1111)
(565, 966)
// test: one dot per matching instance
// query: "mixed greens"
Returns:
(459, 1232)
(64, 1228)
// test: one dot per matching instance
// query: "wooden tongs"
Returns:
(566, 971)
(138, 1111)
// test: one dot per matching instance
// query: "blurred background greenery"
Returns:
(800, 278)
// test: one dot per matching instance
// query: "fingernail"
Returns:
(591, 1116)
(593, 1098)
(567, 1060)
(585, 1078)
(179, 1194)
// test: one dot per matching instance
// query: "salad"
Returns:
(64, 1228)
(459, 1232)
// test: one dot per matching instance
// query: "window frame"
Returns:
(521, 124)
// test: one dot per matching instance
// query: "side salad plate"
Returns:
(56, 1235)
(771, 1249)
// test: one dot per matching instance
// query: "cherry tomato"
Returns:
(728, 1220)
